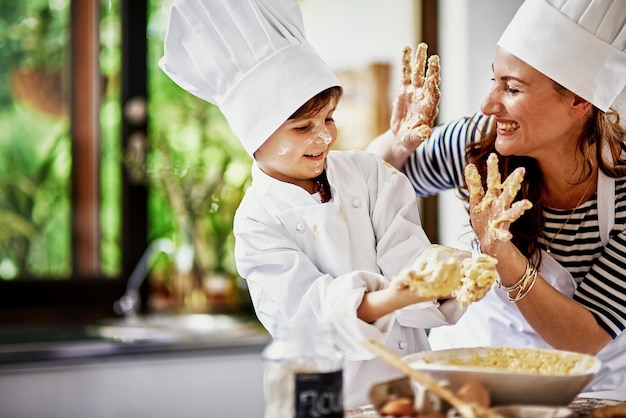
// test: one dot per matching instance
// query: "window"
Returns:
(71, 224)
(94, 177)
(36, 147)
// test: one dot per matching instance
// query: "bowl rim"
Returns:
(592, 363)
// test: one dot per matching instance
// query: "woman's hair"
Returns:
(601, 130)
(318, 102)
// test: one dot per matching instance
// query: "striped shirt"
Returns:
(600, 272)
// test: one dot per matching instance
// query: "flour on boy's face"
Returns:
(297, 151)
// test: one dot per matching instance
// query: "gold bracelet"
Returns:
(530, 282)
(523, 285)
(519, 284)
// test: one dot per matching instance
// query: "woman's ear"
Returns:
(580, 107)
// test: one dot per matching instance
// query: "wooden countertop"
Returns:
(581, 407)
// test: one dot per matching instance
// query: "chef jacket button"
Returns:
(402, 344)
(356, 203)
(300, 227)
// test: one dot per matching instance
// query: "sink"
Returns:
(25, 346)
(175, 327)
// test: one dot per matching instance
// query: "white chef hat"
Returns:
(580, 44)
(249, 57)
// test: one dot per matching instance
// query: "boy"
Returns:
(320, 234)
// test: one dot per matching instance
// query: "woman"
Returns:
(563, 274)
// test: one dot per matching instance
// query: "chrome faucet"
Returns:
(129, 303)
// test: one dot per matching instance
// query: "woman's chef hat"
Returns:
(249, 57)
(580, 44)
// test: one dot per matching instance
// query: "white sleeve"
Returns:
(345, 295)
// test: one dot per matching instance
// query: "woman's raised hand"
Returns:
(493, 211)
(415, 107)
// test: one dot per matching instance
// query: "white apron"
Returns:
(494, 321)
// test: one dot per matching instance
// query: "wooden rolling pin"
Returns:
(467, 410)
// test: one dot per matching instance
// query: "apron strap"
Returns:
(606, 205)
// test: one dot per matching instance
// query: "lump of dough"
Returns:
(437, 271)
(479, 274)
(446, 271)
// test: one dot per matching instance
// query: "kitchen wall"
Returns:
(351, 34)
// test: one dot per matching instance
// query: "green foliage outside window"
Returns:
(35, 143)
(196, 170)
(35, 157)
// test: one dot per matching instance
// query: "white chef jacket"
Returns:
(307, 260)
(494, 321)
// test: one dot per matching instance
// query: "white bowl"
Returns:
(555, 378)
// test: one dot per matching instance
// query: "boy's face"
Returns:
(297, 151)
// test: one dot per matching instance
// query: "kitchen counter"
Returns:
(73, 371)
(70, 345)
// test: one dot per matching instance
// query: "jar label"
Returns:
(319, 395)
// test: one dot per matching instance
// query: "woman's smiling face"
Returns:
(296, 152)
(534, 117)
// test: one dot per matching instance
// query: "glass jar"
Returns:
(303, 373)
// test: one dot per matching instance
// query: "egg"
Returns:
(475, 393)
(397, 408)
